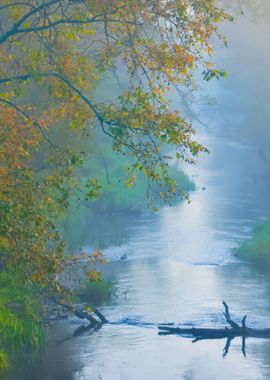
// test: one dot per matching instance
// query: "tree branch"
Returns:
(228, 316)
(26, 116)
(17, 29)
(17, 25)
(98, 115)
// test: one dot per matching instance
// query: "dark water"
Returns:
(180, 263)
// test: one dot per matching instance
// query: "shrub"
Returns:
(97, 292)
(257, 248)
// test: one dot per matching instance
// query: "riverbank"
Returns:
(27, 316)
(257, 249)
(21, 321)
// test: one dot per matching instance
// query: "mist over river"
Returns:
(179, 263)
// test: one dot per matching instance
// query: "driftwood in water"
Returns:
(235, 330)
(84, 314)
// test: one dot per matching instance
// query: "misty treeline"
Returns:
(57, 136)
(250, 99)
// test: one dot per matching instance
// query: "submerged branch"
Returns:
(219, 333)
(85, 314)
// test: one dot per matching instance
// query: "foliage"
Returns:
(114, 193)
(90, 285)
(26, 228)
(97, 290)
(52, 55)
(257, 249)
(4, 362)
(21, 327)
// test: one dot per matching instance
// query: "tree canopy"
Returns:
(54, 53)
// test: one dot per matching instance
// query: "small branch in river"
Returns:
(228, 316)
(85, 314)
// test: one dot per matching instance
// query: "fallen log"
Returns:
(208, 333)
(215, 333)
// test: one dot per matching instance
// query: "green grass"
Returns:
(21, 327)
(257, 248)
(98, 292)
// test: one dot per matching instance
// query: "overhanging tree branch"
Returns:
(48, 24)
(102, 120)
(21, 21)
(27, 117)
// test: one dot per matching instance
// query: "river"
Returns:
(180, 263)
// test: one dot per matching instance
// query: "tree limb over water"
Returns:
(84, 313)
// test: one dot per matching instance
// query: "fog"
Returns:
(236, 109)
(177, 266)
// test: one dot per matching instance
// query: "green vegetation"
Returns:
(113, 193)
(113, 197)
(257, 249)
(21, 327)
(97, 292)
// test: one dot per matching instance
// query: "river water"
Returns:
(179, 264)
(179, 267)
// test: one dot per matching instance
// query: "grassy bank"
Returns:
(22, 320)
(97, 292)
(257, 248)
(21, 327)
